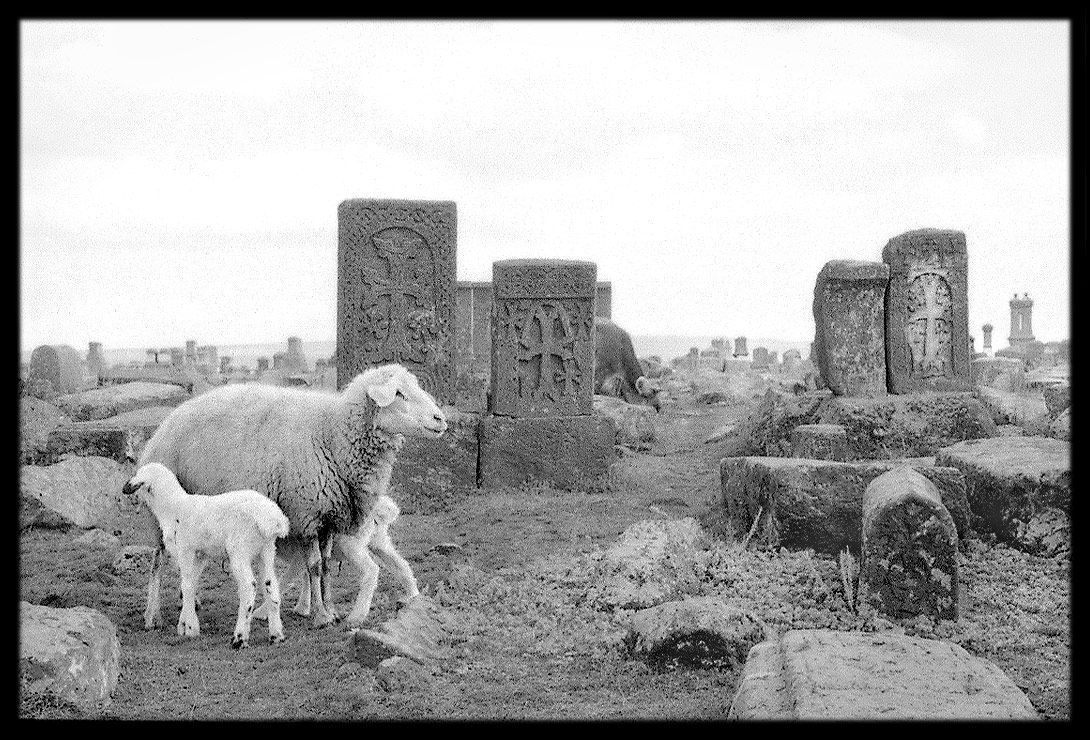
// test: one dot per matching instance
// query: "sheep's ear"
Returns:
(643, 386)
(384, 394)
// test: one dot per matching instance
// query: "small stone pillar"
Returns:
(262, 364)
(910, 548)
(541, 424)
(760, 358)
(296, 361)
(927, 312)
(1021, 320)
(849, 346)
(96, 362)
(820, 442)
(279, 360)
(225, 365)
(987, 329)
(692, 359)
(740, 347)
(177, 356)
(191, 352)
(791, 360)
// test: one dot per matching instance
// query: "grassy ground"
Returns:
(529, 644)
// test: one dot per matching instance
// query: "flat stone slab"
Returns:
(419, 631)
(1007, 407)
(568, 452)
(636, 423)
(430, 472)
(107, 401)
(71, 653)
(1006, 373)
(116, 443)
(820, 442)
(86, 490)
(831, 675)
(817, 503)
(1018, 488)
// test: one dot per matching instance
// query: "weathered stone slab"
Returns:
(395, 289)
(1018, 488)
(636, 424)
(1060, 427)
(740, 347)
(86, 490)
(849, 321)
(831, 675)
(73, 654)
(429, 473)
(761, 360)
(37, 418)
(102, 403)
(59, 365)
(569, 452)
(115, 443)
(1025, 409)
(927, 312)
(910, 547)
(817, 503)
(542, 337)
(697, 632)
(1057, 398)
(820, 442)
(419, 631)
(652, 562)
(1005, 373)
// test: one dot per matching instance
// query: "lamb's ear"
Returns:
(643, 386)
(384, 394)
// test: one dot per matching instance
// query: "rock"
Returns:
(1004, 373)
(115, 443)
(635, 422)
(832, 675)
(817, 503)
(34, 514)
(1057, 398)
(1027, 410)
(699, 632)
(86, 490)
(820, 442)
(73, 654)
(37, 419)
(419, 631)
(653, 561)
(1060, 428)
(1010, 481)
(132, 557)
(107, 401)
(767, 430)
(399, 674)
(97, 538)
(721, 433)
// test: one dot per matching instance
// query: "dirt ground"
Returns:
(529, 644)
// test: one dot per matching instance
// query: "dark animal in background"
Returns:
(616, 370)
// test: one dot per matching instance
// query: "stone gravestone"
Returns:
(849, 320)
(541, 424)
(987, 329)
(760, 358)
(177, 356)
(791, 359)
(927, 312)
(774, 359)
(279, 360)
(58, 364)
(740, 347)
(395, 289)
(262, 364)
(296, 361)
(96, 362)
(191, 352)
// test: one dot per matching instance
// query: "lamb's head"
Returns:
(403, 406)
(148, 480)
(649, 392)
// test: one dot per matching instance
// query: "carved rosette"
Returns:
(396, 282)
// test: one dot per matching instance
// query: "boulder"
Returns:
(34, 514)
(635, 422)
(653, 561)
(1005, 373)
(832, 675)
(1026, 409)
(1057, 398)
(97, 538)
(86, 490)
(698, 632)
(73, 654)
(1060, 427)
(37, 419)
(107, 401)
(419, 631)
(1018, 488)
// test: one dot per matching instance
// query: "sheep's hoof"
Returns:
(151, 623)
(238, 642)
(324, 619)
(301, 611)
(187, 630)
(274, 639)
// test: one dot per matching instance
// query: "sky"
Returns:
(180, 179)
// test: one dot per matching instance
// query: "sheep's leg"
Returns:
(355, 549)
(153, 611)
(315, 567)
(188, 625)
(272, 592)
(298, 572)
(243, 571)
(327, 577)
(383, 549)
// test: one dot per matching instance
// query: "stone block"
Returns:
(115, 443)
(820, 442)
(1057, 398)
(102, 403)
(817, 503)
(927, 312)
(568, 452)
(59, 365)
(86, 490)
(832, 675)
(1005, 373)
(395, 289)
(429, 473)
(542, 337)
(910, 548)
(73, 654)
(696, 632)
(849, 320)
(1018, 488)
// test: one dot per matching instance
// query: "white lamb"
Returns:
(323, 457)
(373, 537)
(195, 529)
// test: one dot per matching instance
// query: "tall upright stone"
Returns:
(1021, 320)
(96, 361)
(58, 364)
(760, 358)
(541, 425)
(791, 359)
(987, 329)
(280, 360)
(740, 347)
(395, 289)
(177, 356)
(927, 312)
(262, 364)
(849, 327)
(296, 361)
(191, 351)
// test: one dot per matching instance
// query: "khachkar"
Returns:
(395, 289)
(927, 312)
(541, 424)
(849, 319)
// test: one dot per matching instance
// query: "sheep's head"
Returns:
(649, 392)
(403, 406)
(147, 480)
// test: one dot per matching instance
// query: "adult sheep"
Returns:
(323, 457)
(616, 369)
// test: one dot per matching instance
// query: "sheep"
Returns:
(616, 369)
(323, 457)
(372, 538)
(244, 523)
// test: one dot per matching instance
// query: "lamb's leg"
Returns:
(383, 548)
(354, 548)
(272, 592)
(292, 577)
(243, 571)
(315, 568)
(188, 626)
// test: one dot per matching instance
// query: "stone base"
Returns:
(568, 452)
(831, 675)
(817, 503)
(820, 442)
(115, 443)
(431, 472)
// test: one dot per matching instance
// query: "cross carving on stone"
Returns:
(930, 298)
(556, 376)
(401, 287)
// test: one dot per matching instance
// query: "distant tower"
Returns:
(987, 329)
(1021, 320)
